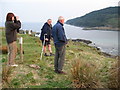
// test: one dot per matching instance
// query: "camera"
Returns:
(15, 21)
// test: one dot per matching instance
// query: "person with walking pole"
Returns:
(46, 31)
(60, 41)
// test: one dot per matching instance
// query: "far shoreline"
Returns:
(97, 28)
(101, 28)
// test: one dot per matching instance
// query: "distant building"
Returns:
(29, 32)
(25, 32)
(22, 32)
(37, 34)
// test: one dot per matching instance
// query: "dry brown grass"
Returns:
(6, 71)
(4, 49)
(85, 75)
(113, 76)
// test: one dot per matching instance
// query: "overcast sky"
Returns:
(41, 10)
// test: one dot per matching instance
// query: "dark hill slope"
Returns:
(107, 17)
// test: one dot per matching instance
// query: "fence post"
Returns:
(21, 48)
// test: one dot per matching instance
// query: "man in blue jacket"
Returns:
(60, 40)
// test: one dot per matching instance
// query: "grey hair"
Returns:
(60, 18)
(49, 19)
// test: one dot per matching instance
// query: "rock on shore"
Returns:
(81, 40)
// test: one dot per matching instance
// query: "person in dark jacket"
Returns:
(46, 30)
(11, 28)
(60, 41)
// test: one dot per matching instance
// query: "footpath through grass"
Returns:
(25, 76)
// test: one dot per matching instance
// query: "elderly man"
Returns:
(60, 40)
(46, 30)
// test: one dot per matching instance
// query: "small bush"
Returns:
(113, 76)
(84, 74)
(6, 71)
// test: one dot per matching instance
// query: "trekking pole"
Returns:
(42, 47)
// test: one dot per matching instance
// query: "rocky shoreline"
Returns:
(81, 40)
(88, 42)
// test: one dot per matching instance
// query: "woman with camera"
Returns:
(12, 26)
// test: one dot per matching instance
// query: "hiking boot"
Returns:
(59, 72)
(51, 54)
(46, 54)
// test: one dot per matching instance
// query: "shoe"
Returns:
(56, 71)
(14, 65)
(51, 54)
(59, 72)
(46, 54)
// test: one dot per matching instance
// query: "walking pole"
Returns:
(42, 47)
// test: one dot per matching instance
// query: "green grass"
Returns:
(24, 76)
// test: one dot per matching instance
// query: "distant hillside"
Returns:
(107, 17)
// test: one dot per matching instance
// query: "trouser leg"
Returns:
(10, 55)
(12, 51)
(59, 57)
(56, 58)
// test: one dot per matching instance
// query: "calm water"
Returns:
(106, 40)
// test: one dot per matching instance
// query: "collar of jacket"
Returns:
(50, 25)
(60, 23)
(47, 24)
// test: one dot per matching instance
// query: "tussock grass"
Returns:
(113, 76)
(6, 71)
(85, 74)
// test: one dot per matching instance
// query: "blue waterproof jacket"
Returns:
(58, 34)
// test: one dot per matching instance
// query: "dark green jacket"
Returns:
(11, 30)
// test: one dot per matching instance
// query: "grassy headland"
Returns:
(103, 19)
(86, 67)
